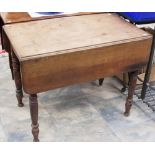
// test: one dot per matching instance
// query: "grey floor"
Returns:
(84, 112)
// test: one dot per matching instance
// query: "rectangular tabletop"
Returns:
(54, 36)
(63, 51)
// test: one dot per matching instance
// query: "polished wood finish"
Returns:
(132, 85)
(17, 77)
(14, 17)
(74, 50)
(34, 116)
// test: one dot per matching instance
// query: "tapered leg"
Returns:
(34, 116)
(132, 85)
(17, 78)
(101, 81)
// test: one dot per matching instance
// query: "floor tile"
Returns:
(143, 132)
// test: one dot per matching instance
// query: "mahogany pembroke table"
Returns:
(53, 53)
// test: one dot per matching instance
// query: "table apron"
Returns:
(55, 71)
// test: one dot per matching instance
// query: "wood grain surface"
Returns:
(70, 34)
(42, 74)
(58, 52)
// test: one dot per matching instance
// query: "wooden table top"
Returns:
(69, 34)
(58, 52)
(15, 17)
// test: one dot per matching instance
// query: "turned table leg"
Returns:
(132, 84)
(10, 64)
(6, 46)
(101, 81)
(17, 78)
(34, 116)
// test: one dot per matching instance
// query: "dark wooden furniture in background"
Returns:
(73, 50)
(18, 17)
